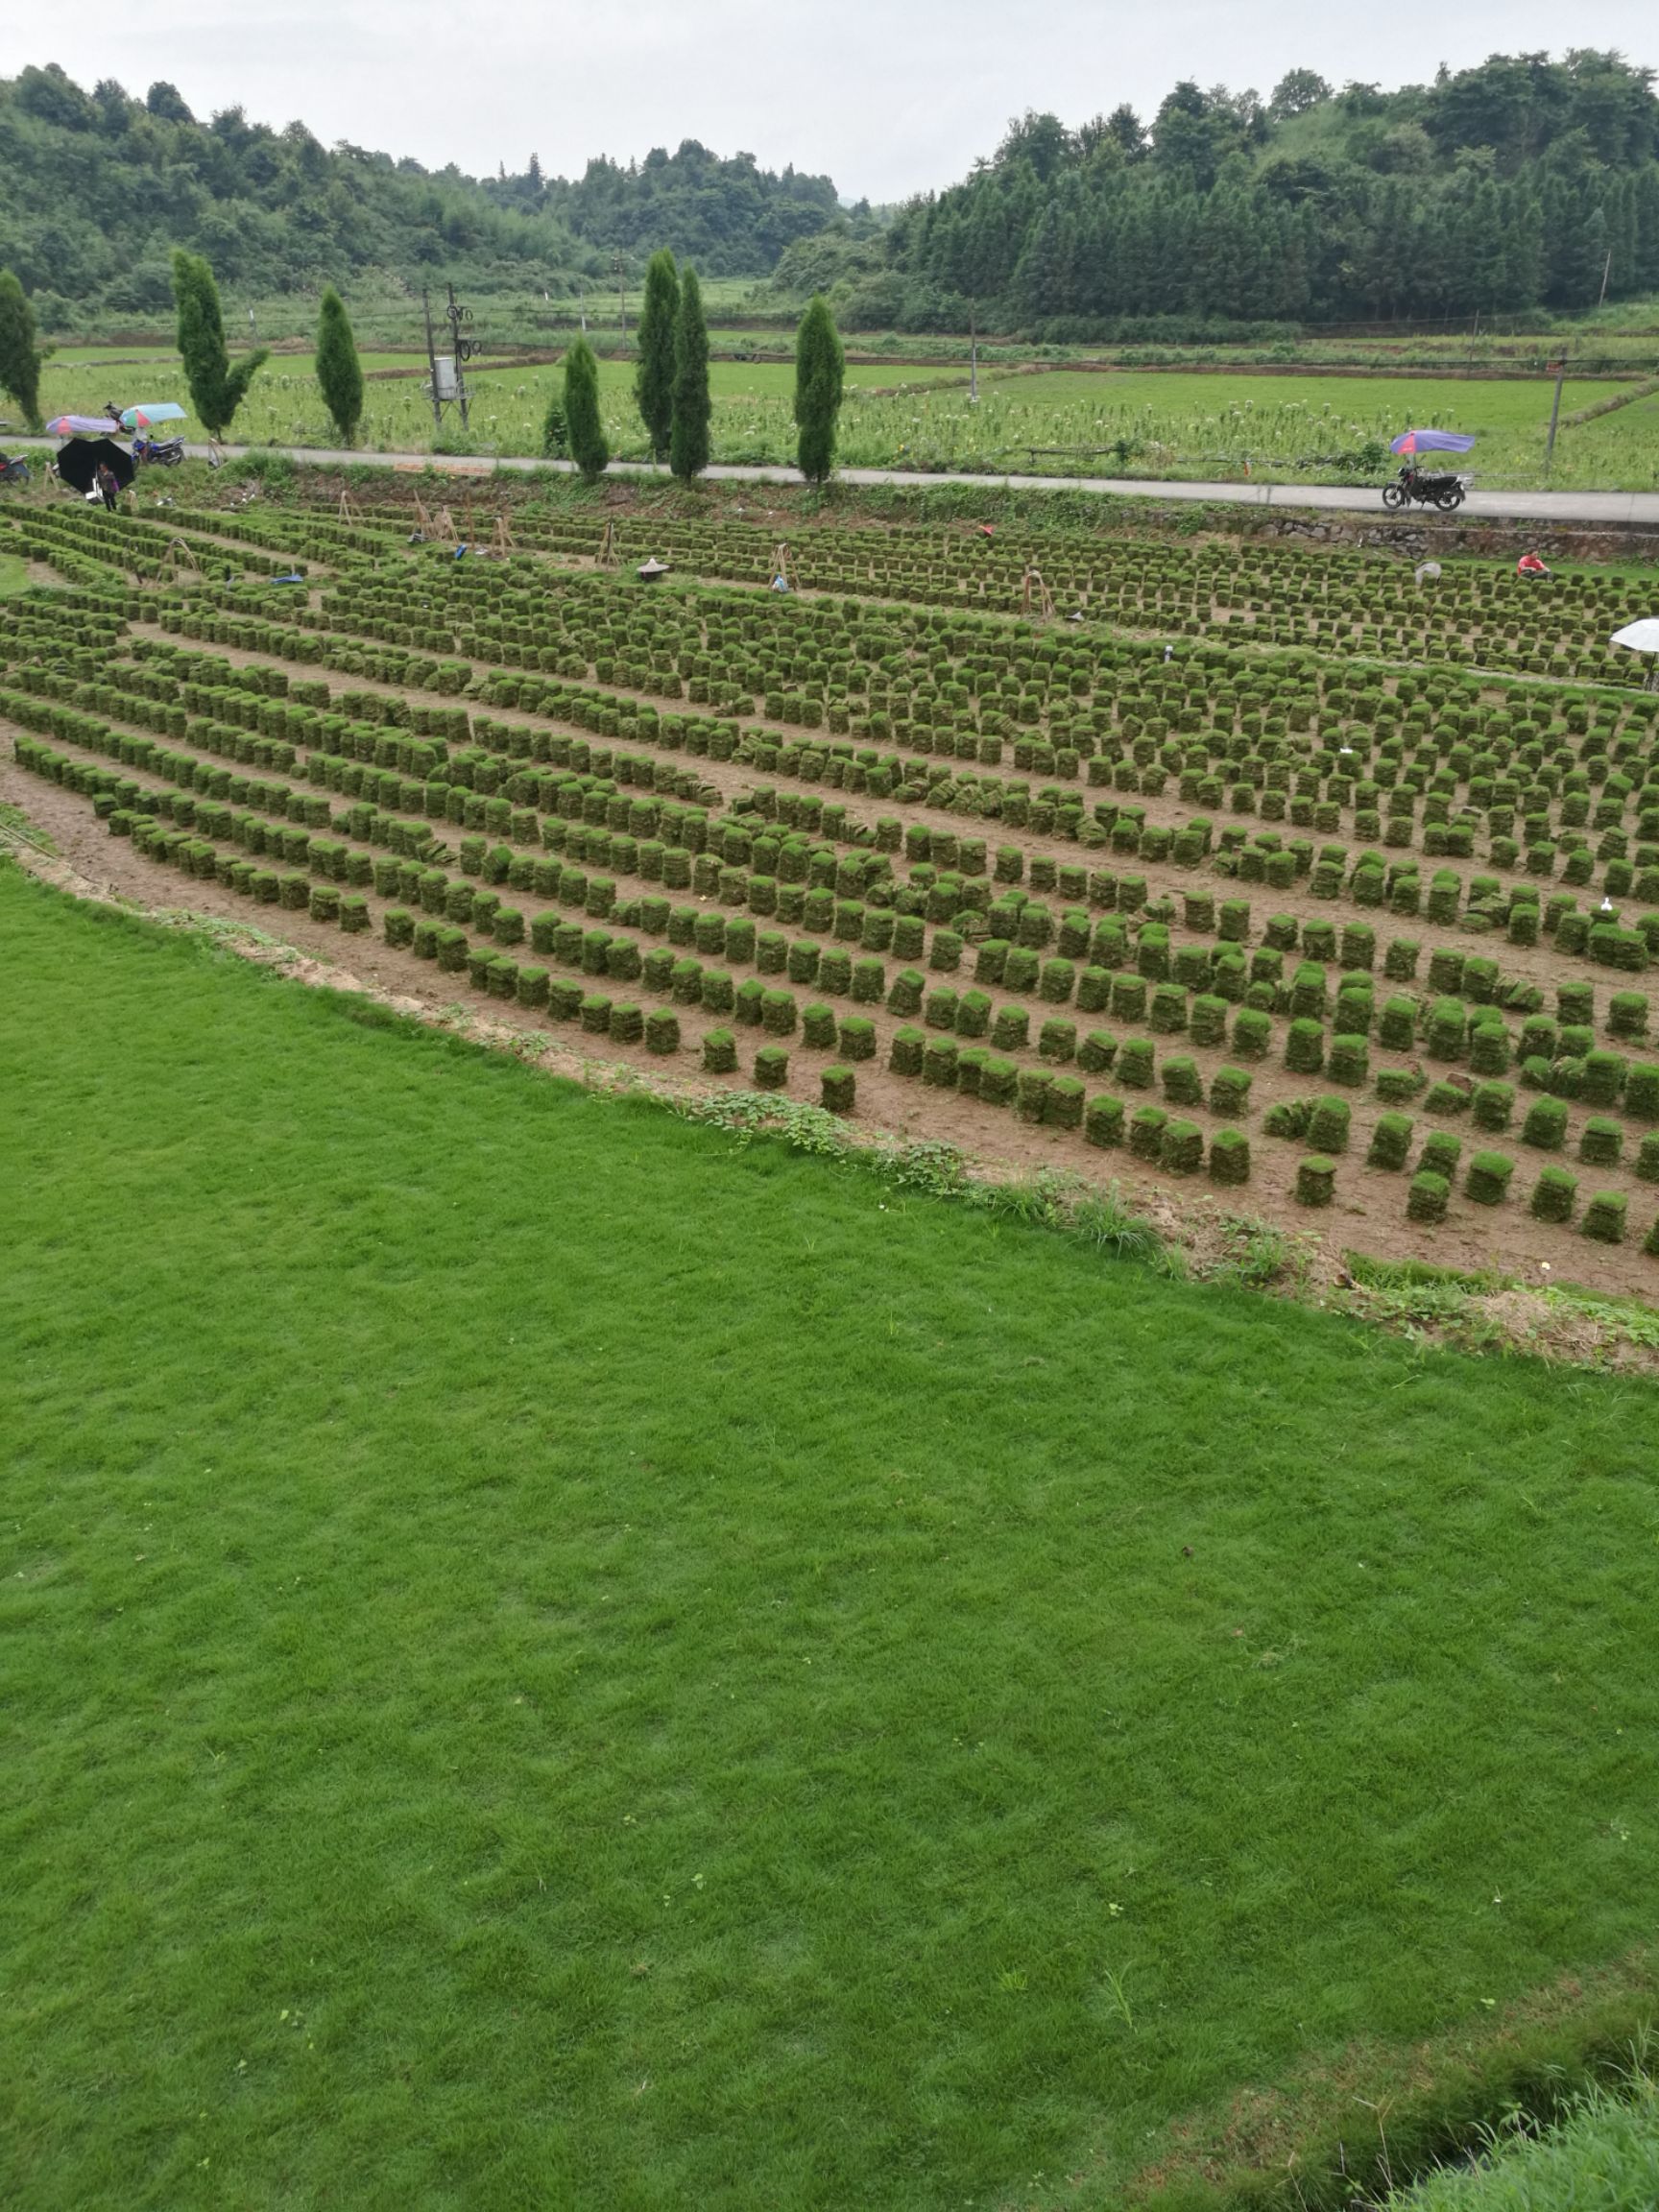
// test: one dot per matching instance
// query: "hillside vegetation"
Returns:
(100, 186)
(1526, 183)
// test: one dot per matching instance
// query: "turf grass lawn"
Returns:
(551, 1660)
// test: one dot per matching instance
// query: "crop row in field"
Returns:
(881, 899)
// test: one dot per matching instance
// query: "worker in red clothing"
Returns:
(1530, 565)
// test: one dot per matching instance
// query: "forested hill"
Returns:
(1499, 188)
(96, 188)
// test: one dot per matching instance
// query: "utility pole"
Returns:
(617, 271)
(460, 319)
(1554, 415)
(1606, 271)
(972, 353)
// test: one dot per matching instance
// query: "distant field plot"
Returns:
(1064, 421)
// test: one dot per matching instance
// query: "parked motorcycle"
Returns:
(1412, 485)
(159, 453)
(13, 471)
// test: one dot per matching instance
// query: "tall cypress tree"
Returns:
(654, 371)
(339, 373)
(20, 357)
(582, 424)
(688, 439)
(819, 370)
(216, 389)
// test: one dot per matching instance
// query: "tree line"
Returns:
(671, 376)
(1525, 183)
(101, 185)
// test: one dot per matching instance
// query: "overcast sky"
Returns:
(887, 96)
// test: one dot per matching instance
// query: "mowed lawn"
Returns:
(549, 1661)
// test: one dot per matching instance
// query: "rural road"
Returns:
(1608, 508)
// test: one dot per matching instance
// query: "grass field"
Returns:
(1149, 423)
(547, 1661)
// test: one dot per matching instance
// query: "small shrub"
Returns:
(1181, 1148)
(1441, 1153)
(1350, 1060)
(1031, 1093)
(1601, 1141)
(1137, 1062)
(1103, 1121)
(939, 1063)
(1230, 1157)
(1487, 1181)
(720, 1052)
(1057, 1043)
(1446, 1098)
(1555, 1195)
(1316, 1180)
(1426, 1200)
(1390, 1141)
(1183, 1084)
(1146, 1127)
(818, 1028)
(856, 1038)
(1328, 1126)
(1062, 1108)
(771, 1068)
(1304, 1045)
(904, 1053)
(997, 1081)
(1604, 1217)
(839, 1089)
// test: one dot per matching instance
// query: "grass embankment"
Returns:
(1602, 2158)
(546, 1660)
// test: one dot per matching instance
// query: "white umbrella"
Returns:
(1639, 636)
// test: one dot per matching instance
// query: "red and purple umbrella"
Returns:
(1430, 442)
(82, 426)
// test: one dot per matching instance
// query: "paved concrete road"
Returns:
(1592, 507)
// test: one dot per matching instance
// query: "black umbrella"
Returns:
(78, 462)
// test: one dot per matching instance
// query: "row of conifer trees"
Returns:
(670, 379)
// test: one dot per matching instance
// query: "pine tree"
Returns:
(689, 438)
(582, 424)
(654, 373)
(820, 368)
(216, 389)
(339, 373)
(20, 357)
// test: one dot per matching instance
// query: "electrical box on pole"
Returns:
(448, 386)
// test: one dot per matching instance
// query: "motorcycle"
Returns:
(159, 453)
(13, 471)
(1444, 491)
